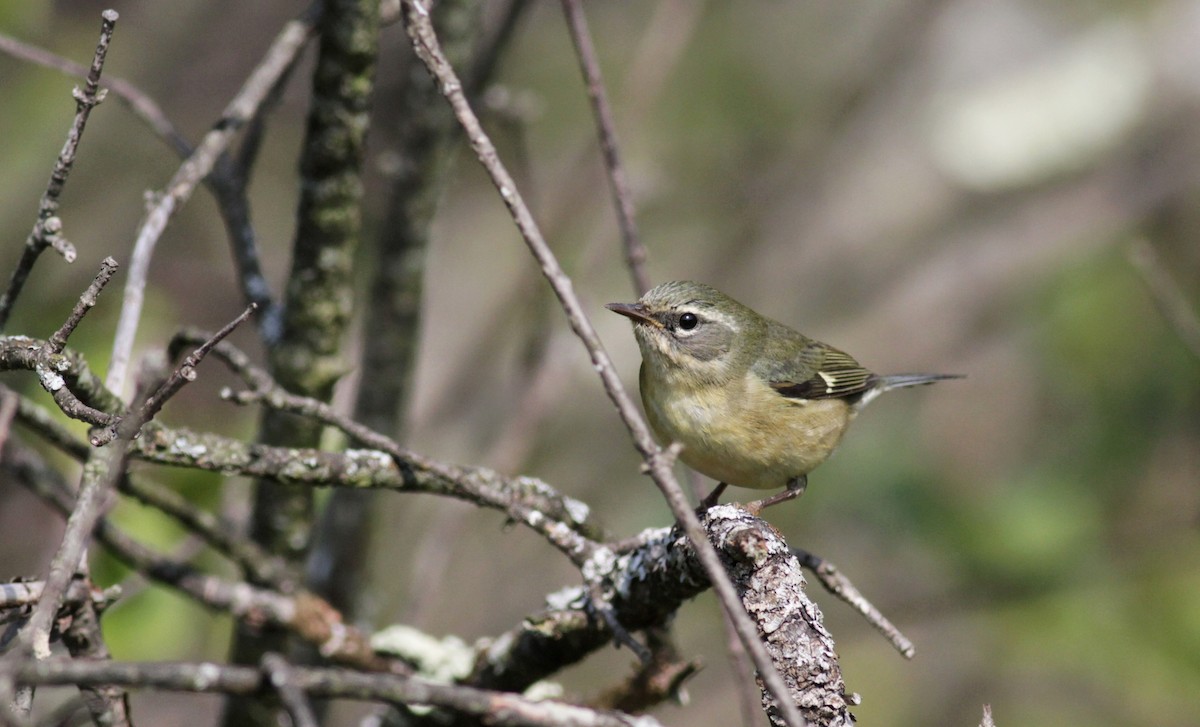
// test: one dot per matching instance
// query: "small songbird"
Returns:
(754, 403)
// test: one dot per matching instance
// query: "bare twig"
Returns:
(566, 522)
(62, 375)
(26, 593)
(58, 340)
(181, 376)
(635, 251)
(99, 477)
(747, 690)
(425, 43)
(1168, 296)
(227, 181)
(241, 109)
(840, 586)
(554, 509)
(48, 228)
(142, 105)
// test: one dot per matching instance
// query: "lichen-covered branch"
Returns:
(486, 707)
(653, 581)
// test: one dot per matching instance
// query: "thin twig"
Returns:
(180, 377)
(278, 59)
(1168, 296)
(840, 586)
(42, 422)
(227, 182)
(561, 519)
(309, 617)
(142, 105)
(568, 523)
(47, 231)
(635, 251)
(87, 301)
(99, 477)
(282, 677)
(425, 43)
(657, 680)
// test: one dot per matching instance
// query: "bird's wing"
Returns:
(823, 373)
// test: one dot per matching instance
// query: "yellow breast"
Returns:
(745, 433)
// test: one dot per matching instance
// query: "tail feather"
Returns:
(900, 381)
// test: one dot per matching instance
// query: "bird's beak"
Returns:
(636, 312)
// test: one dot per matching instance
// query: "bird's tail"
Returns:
(900, 381)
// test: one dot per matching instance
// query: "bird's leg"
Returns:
(795, 488)
(713, 497)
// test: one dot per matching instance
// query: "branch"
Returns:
(48, 228)
(302, 613)
(99, 475)
(183, 374)
(635, 251)
(651, 582)
(519, 496)
(426, 45)
(241, 109)
(227, 182)
(839, 585)
(567, 522)
(493, 708)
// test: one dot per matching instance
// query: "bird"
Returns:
(753, 402)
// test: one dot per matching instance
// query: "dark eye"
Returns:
(688, 321)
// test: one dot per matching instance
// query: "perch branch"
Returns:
(426, 45)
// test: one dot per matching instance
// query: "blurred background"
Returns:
(1005, 189)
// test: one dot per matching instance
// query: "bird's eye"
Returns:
(688, 321)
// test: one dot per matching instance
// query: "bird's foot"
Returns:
(712, 499)
(795, 488)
